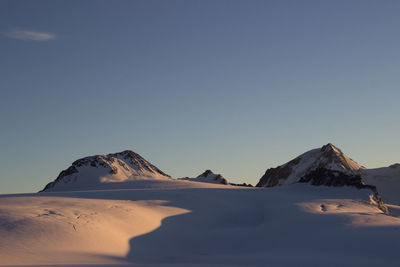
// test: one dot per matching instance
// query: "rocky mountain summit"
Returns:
(90, 171)
(327, 166)
(208, 177)
(327, 157)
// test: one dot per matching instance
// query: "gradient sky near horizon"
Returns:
(232, 86)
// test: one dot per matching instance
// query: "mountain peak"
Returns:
(209, 177)
(206, 174)
(329, 147)
(94, 171)
(327, 157)
(126, 154)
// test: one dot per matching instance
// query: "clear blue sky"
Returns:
(232, 86)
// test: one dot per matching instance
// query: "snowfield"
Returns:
(184, 223)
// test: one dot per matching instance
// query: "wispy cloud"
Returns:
(28, 35)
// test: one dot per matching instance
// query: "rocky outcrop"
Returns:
(273, 175)
(209, 175)
(322, 176)
(395, 166)
(243, 184)
(65, 173)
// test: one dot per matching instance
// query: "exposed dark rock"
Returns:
(210, 177)
(396, 165)
(243, 184)
(64, 173)
(206, 173)
(322, 176)
(273, 175)
(217, 177)
(221, 179)
(113, 170)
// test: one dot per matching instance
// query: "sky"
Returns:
(232, 86)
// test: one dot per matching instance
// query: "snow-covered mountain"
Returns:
(208, 177)
(329, 166)
(147, 218)
(97, 171)
(323, 166)
(327, 157)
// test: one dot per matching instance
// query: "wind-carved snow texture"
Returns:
(95, 171)
(212, 225)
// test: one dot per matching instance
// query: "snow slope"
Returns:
(106, 172)
(387, 180)
(199, 224)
